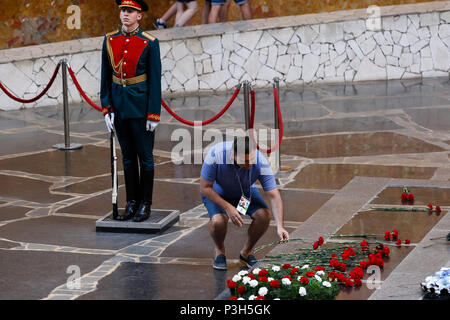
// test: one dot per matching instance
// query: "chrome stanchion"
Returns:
(247, 104)
(67, 145)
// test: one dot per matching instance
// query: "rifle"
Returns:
(115, 210)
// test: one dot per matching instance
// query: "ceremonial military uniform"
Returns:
(131, 89)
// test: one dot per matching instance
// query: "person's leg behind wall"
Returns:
(161, 23)
(246, 9)
(184, 16)
(216, 6)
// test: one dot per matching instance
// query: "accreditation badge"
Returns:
(243, 205)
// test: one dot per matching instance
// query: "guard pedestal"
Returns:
(159, 221)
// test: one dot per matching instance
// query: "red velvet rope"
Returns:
(85, 97)
(217, 116)
(55, 73)
(280, 121)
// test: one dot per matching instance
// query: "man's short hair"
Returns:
(243, 144)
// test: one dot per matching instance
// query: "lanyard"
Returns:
(249, 183)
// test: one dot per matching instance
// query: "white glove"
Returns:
(109, 119)
(151, 125)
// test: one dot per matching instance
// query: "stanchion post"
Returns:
(247, 104)
(276, 85)
(67, 145)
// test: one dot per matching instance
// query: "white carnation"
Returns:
(306, 266)
(320, 273)
(286, 281)
(302, 291)
(246, 280)
(241, 298)
(326, 284)
(256, 271)
(262, 291)
(275, 268)
(242, 273)
(318, 278)
(270, 279)
(236, 278)
(253, 283)
(252, 297)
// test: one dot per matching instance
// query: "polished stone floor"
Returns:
(350, 148)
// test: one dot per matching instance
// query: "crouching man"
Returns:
(228, 192)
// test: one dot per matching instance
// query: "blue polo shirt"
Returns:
(219, 168)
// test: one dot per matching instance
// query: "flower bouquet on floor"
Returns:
(283, 282)
(437, 286)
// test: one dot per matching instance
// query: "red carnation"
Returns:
(233, 298)
(241, 290)
(386, 251)
(438, 209)
(404, 196)
(334, 255)
(410, 197)
(342, 267)
(349, 283)
(288, 277)
(344, 256)
(399, 242)
(320, 241)
(263, 279)
(260, 298)
(318, 268)
(231, 284)
(274, 283)
(358, 282)
(293, 271)
(263, 272)
(364, 264)
(309, 274)
(364, 244)
(286, 266)
(251, 276)
(430, 206)
(331, 275)
(407, 241)
(304, 280)
(315, 245)
(387, 235)
(394, 234)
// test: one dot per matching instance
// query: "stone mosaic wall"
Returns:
(408, 46)
(30, 22)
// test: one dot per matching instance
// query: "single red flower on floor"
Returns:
(315, 245)
(231, 284)
(349, 283)
(364, 245)
(233, 298)
(363, 264)
(386, 251)
(333, 256)
(319, 268)
(407, 241)
(399, 242)
(387, 235)
(430, 206)
(394, 234)
(286, 266)
(404, 196)
(241, 290)
(304, 280)
(410, 197)
(274, 283)
(320, 241)
(309, 274)
(438, 209)
(358, 282)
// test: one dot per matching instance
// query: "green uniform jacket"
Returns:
(133, 60)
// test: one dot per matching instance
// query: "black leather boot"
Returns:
(144, 211)
(132, 189)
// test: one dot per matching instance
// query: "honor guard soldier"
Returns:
(131, 102)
